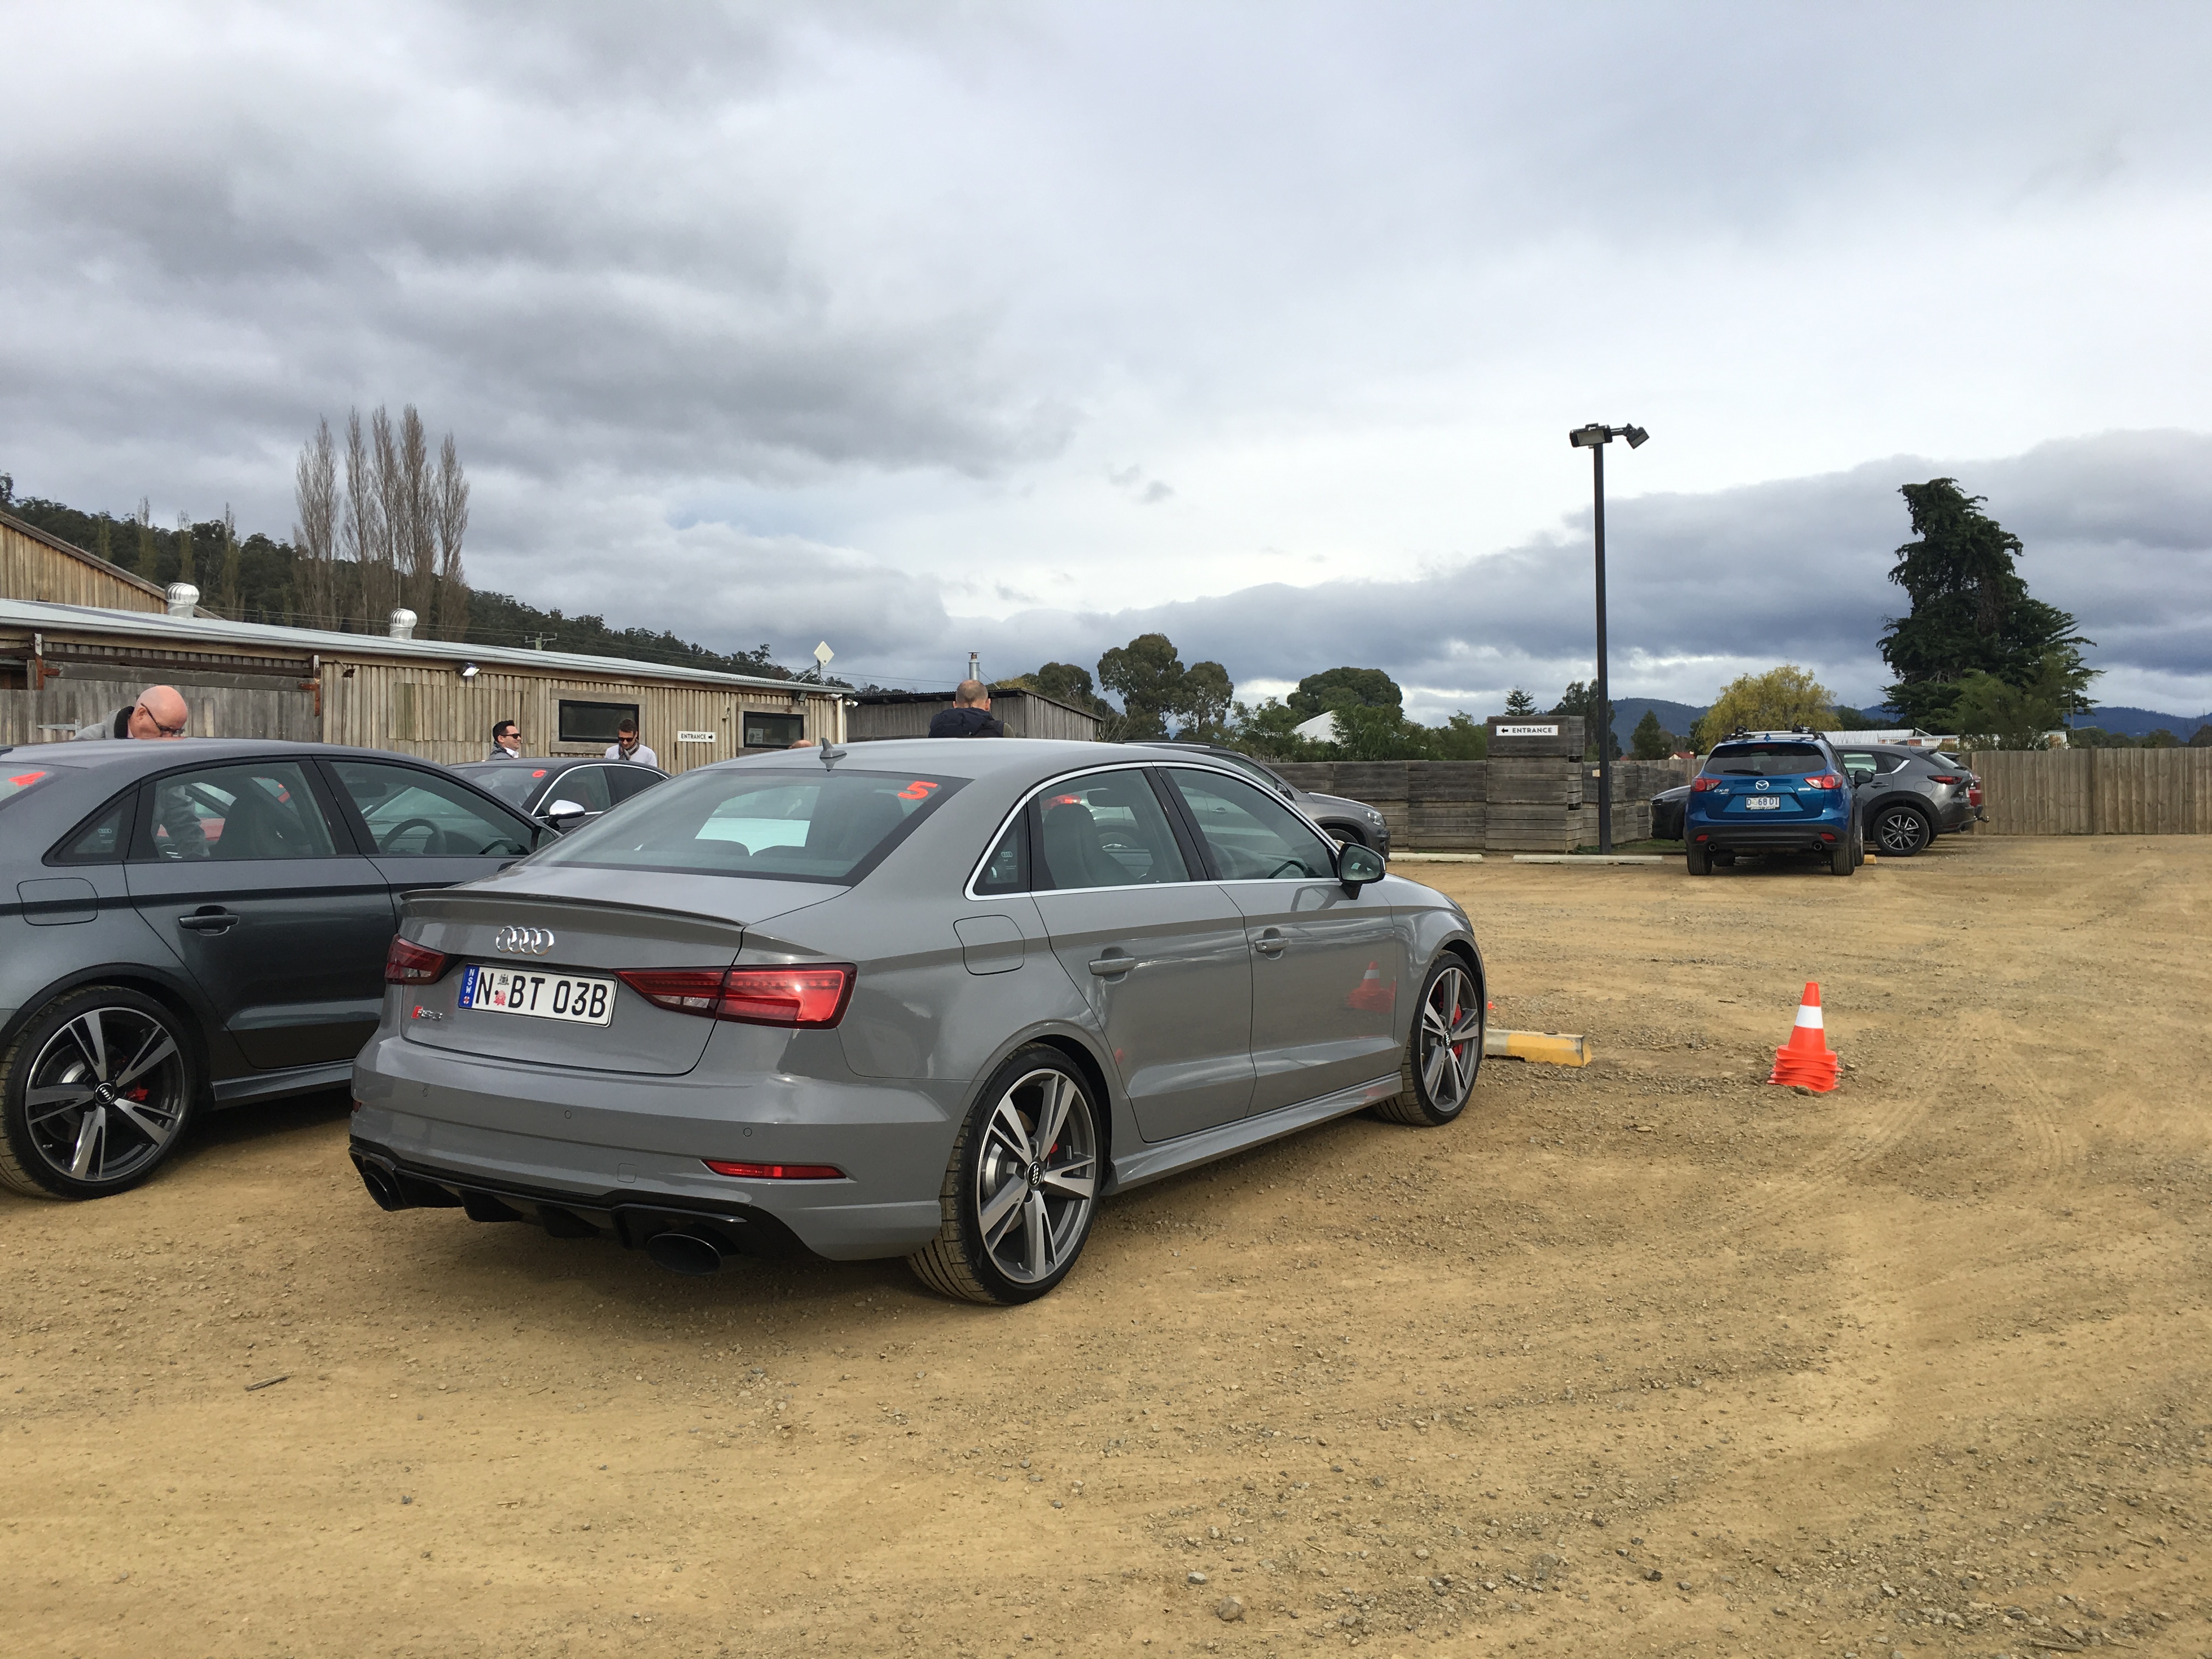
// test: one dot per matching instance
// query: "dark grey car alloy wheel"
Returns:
(98, 1088)
(1445, 1050)
(1022, 1187)
(1900, 832)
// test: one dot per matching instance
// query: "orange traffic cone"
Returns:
(1804, 1061)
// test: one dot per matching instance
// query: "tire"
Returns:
(1700, 861)
(1842, 859)
(1015, 1217)
(1345, 835)
(95, 1093)
(1443, 1052)
(1901, 831)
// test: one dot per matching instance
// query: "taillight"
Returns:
(775, 1172)
(1943, 777)
(1824, 781)
(408, 963)
(1699, 786)
(810, 997)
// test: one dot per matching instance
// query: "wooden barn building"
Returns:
(80, 637)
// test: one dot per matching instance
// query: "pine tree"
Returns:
(1972, 612)
(1651, 740)
(1519, 702)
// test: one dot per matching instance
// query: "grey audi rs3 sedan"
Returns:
(933, 999)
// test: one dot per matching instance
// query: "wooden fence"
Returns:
(2096, 792)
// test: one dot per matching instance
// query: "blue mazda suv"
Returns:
(1772, 791)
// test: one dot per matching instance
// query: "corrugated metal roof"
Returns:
(200, 633)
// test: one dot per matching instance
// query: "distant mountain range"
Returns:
(1677, 717)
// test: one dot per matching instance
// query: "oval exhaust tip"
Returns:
(684, 1253)
(381, 1186)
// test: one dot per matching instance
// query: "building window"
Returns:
(592, 722)
(772, 731)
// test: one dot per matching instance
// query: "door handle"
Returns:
(1270, 943)
(1107, 967)
(209, 920)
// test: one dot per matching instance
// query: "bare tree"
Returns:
(361, 530)
(391, 514)
(149, 555)
(314, 533)
(414, 529)
(227, 585)
(452, 515)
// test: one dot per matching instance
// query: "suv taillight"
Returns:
(810, 997)
(1699, 786)
(1823, 780)
(1943, 777)
(408, 963)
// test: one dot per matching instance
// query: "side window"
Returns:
(624, 781)
(1106, 830)
(256, 810)
(586, 786)
(1859, 763)
(411, 814)
(1007, 869)
(1251, 835)
(102, 839)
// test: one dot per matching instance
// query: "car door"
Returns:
(424, 828)
(240, 869)
(1327, 965)
(1155, 948)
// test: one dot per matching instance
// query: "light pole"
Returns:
(1595, 438)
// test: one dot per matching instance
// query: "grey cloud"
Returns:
(2118, 529)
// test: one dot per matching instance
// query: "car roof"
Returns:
(135, 756)
(1012, 758)
(543, 762)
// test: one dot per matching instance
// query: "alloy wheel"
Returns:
(106, 1095)
(1451, 1038)
(1901, 833)
(1036, 1175)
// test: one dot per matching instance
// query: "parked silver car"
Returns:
(929, 1000)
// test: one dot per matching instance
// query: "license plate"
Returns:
(538, 995)
(1762, 804)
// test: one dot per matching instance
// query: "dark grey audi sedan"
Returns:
(200, 923)
(917, 999)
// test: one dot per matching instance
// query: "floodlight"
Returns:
(468, 671)
(1635, 434)
(1588, 437)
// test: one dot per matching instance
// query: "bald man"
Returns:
(970, 715)
(160, 712)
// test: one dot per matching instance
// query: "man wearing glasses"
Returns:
(160, 712)
(506, 742)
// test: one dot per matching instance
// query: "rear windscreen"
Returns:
(810, 825)
(1765, 760)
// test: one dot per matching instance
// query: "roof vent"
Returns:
(403, 624)
(183, 596)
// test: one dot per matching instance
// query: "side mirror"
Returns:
(1357, 866)
(565, 814)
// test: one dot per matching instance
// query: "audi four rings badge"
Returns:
(514, 941)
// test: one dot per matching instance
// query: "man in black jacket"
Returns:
(969, 715)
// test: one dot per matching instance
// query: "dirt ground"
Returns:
(1652, 1357)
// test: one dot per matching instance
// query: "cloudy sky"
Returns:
(1019, 328)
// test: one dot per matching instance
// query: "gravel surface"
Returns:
(1650, 1358)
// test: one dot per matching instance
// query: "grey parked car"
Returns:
(1909, 796)
(927, 1000)
(562, 791)
(199, 923)
(1345, 819)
